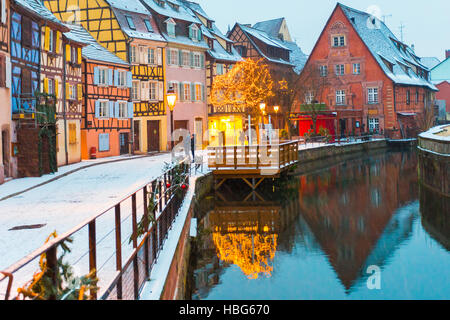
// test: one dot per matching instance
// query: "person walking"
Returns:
(193, 147)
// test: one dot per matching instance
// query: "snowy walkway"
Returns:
(62, 204)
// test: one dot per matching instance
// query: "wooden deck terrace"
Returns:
(253, 164)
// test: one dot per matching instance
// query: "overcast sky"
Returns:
(426, 22)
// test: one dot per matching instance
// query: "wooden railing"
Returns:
(253, 157)
(140, 250)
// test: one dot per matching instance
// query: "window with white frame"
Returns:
(197, 63)
(186, 91)
(73, 92)
(51, 86)
(145, 91)
(151, 58)
(219, 68)
(135, 90)
(133, 54)
(173, 57)
(51, 44)
(372, 95)
(374, 124)
(123, 109)
(309, 97)
(198, 92)
(186, 56)
(340, 69)
(194, 33)
(103, 109)
(339, 41)
(121, 78)
(323, 71)
(103, 76)
(153, 93)
(356, 68)
(340, 97)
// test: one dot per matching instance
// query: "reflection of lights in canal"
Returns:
(252, 253)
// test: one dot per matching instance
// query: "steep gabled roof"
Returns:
(381, 42)
(36, 8)
(93, 50)
(430, 62)
(168, 11)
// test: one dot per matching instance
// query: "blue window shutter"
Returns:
(192, 91)
(130, 110)
(203, 93)
(202, 61)
(111, 109)
(199, 35)
(116, 109)
(110, 77)
(190, 32)
(129, 79)
(180, 58)
(181, 92)
(168, 55)
(116, 78)
(96, 76)
(97, 109)
(192, 58)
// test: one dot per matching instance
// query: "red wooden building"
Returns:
(379, 84)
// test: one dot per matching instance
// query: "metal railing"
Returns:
(142, 249)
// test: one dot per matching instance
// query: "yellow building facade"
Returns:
(128, 30)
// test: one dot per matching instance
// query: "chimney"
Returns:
(447, 54)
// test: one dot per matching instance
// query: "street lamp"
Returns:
(171, 100)
(262, 107)
(276, 108)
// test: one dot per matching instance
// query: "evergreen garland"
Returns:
(67, 286)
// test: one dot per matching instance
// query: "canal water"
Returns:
(360, 229)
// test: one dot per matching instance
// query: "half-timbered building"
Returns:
(379, 84)
(107, 111)
(7, 165)
(271, 42)
(128, 29)
(184, 64)
(220, 58)
(33, 109)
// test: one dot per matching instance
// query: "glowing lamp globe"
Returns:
(171, 98)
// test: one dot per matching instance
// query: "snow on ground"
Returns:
(68, 202)
(65, 203)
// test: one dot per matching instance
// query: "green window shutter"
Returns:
(192, 92)
(180, 58)
(190, 32)
(181, 91)
(192, 58)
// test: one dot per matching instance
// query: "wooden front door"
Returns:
(123, 143)
(137, 132)
(153, 135)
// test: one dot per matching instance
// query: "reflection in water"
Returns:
(319, 241)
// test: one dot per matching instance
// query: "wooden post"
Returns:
(92, 254)
(118, 251)
(52, 265)
(134, 220)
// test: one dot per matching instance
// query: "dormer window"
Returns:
(171, 27)
(194, 33)
(209, 24)
(130, 22)
(161, 3)
(228, 47)
(148, 25)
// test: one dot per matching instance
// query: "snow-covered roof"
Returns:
(93, 50)
(168, 11)
(430, 62)
(441, 72)
(37, 8)
(219, 53)
(197, 9)
(382, 43)
(264, 37)
(271, 27)
(433, 133)
(138, 18)
(128, 5)
(297, 56)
